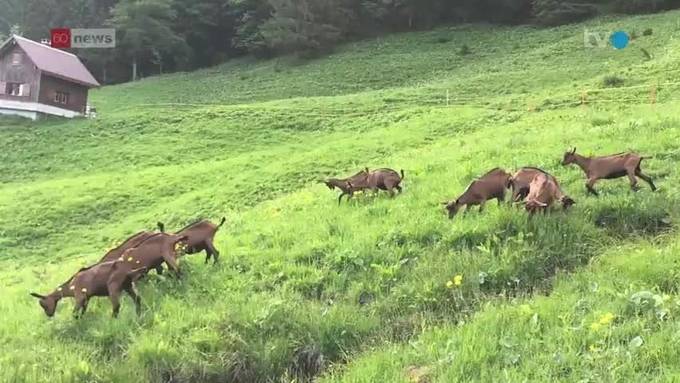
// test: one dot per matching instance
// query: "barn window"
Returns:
(13, 89)
(17, 58)
(61, 97)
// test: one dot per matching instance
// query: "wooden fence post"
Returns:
(584, 97)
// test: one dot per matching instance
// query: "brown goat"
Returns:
(112, 277)
(609, 167)
(379, 179)
(158, 249)
(543, 192)
(102, 280)
(521, 182)
(491, 185)
(344, 184)
(200, 237)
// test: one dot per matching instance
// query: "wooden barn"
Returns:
(36, 80)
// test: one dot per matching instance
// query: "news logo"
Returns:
(64, 38)
(60, 38)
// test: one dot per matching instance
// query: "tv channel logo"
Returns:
(64, 38)
(599, 39)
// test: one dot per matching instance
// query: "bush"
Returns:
(556, 12)
(612, 81)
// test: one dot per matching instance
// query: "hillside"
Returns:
(588, 295)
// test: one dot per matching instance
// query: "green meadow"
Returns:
(378, 289)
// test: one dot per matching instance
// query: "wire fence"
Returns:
(650, 93)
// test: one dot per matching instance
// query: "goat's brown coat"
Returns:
(379, 179)
(609, 167)
(129, 243)
(201, 237)
(345, 184)
(543, 192)
(491, 185)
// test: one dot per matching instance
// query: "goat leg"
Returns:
(213, 252)
(633, 180)
(132, 292)
(645, 178)
(589, 186)
(81, 300)
(340, 198)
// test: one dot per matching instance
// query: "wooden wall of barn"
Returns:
(49, 86)
(24, 73)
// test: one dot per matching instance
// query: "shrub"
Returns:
(612, 81)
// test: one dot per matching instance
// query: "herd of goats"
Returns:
(122, 266)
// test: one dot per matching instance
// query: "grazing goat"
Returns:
(543, 192)
(521, 181)
(609, 167)
(344, 184)
(112, 277)
(103, 279)
(200, 237)
(379, 179)
(491, 185)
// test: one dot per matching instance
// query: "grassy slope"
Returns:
(294, 264)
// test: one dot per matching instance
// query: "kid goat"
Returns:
(609, 167)
(200, 236)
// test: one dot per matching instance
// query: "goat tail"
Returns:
(224, 219)
(402, 174)
(161, 226)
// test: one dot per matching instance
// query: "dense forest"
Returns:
(169, 35)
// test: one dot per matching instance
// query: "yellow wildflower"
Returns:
(449, 284)
(457, 280)
(606, 319)
(595, 326)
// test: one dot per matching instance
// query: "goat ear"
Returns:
(161, 226)
(38, 296)
(366, 169)
(573, 150)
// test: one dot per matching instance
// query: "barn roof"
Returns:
(53, 61)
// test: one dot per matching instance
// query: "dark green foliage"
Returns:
(644, 6)
(157, 36)
(612, 81)
(556, 12)
(648, 32)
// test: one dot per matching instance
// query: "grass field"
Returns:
(591, 295)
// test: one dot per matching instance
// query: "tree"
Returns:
(310, 26)
(144, 27)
